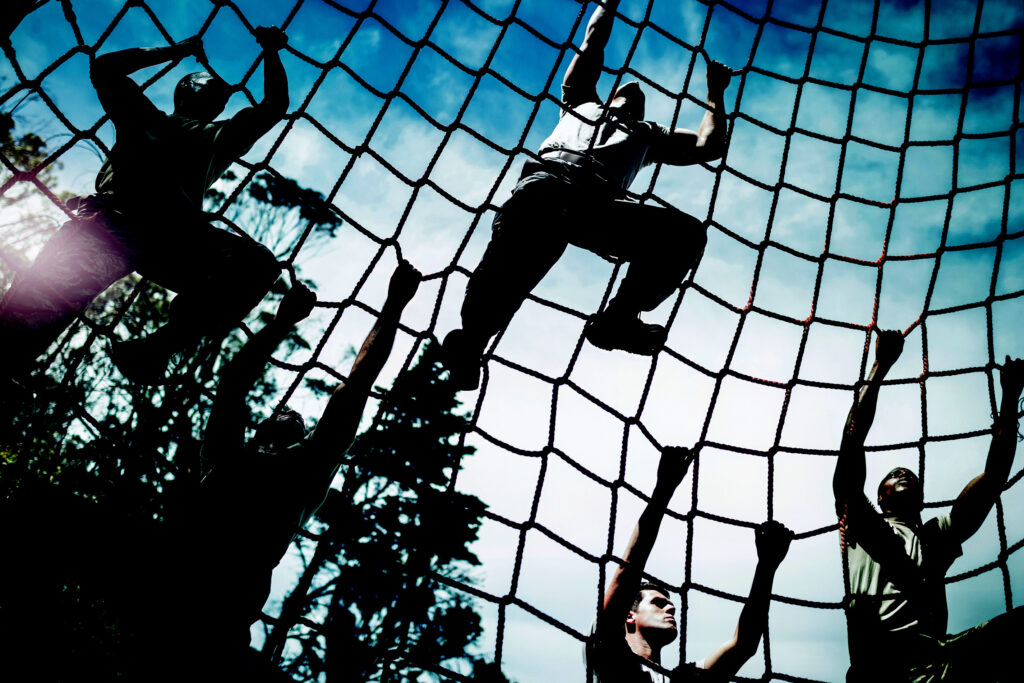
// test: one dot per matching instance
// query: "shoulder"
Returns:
(607, 657)
(574, 95)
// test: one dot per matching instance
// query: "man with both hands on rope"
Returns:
(576, 194)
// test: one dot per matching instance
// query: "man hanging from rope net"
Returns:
(258, 495)
(146, 216)
(895, 565)
(576, 194)
(637, 619)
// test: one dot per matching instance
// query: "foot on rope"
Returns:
(625, 333)
(461, 361)
(137, 363)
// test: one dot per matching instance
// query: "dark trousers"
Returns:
(983, 654)
(218, 276)
(545, 214)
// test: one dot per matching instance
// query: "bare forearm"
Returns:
(646, 531)
(862, 414)
(599, 28)
(129, 61)
(711, 136)
(753, 619)
(1004, 442)
(850, 468)
(242, 371)
(275, 84)
(628, 576)
(375, 350)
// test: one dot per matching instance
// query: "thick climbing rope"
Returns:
(24, 86)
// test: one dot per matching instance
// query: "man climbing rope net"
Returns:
(146, 215)
(576, 194)
(259, 494)
(896, 565)
(637, 620)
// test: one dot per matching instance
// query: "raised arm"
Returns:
(585, 68)
(848, 480)
(225, 429)
(772, 540)
(340, 421)
(858, 519)
(628, 576)
(121, 97)
(684, 146)
(251, 123)
(978, 497)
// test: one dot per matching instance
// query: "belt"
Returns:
(576, 158)
(585, 162)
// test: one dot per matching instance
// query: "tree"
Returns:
(27, 216)
(393, 528)
(91, 465)
(279, 212)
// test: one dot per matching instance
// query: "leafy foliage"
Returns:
(392, 530)
(90, 466)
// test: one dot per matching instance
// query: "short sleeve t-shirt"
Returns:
(878, 612)
(619, 147)
(610, 660)
(161, 164)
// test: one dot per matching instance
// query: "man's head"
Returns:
(900, 493)
(629, 101)
(279, 431)
(653, 615)
(201, 96)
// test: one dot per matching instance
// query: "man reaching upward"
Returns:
(637, 619)
(896, 565)
(147, 215)
(576, 194)
(258, 495)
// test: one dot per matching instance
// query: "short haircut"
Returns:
(646, 586)
(894, 472)
(190, 84)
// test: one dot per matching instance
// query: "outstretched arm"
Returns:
(225, 429)
(585, 68)
(684, 146)
(978, 497)
(629, 575)
(848, 480)
(340, 421)
(772, 540)
(251, 123)
(857, 517)
(121, 97)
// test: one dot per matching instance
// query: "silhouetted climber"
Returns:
(258, 495)
(576, 194)
(147, 216)
(896, 566)
(638, 619)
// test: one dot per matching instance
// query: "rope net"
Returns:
(871, 181)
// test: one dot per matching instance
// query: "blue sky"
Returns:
(925, 132)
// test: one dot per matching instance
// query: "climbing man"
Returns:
(259, 494)
(147, 216)
(896, 565)
(575, 193)
(638, 619)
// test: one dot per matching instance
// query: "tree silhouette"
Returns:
(387, 535)
(91, 465)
